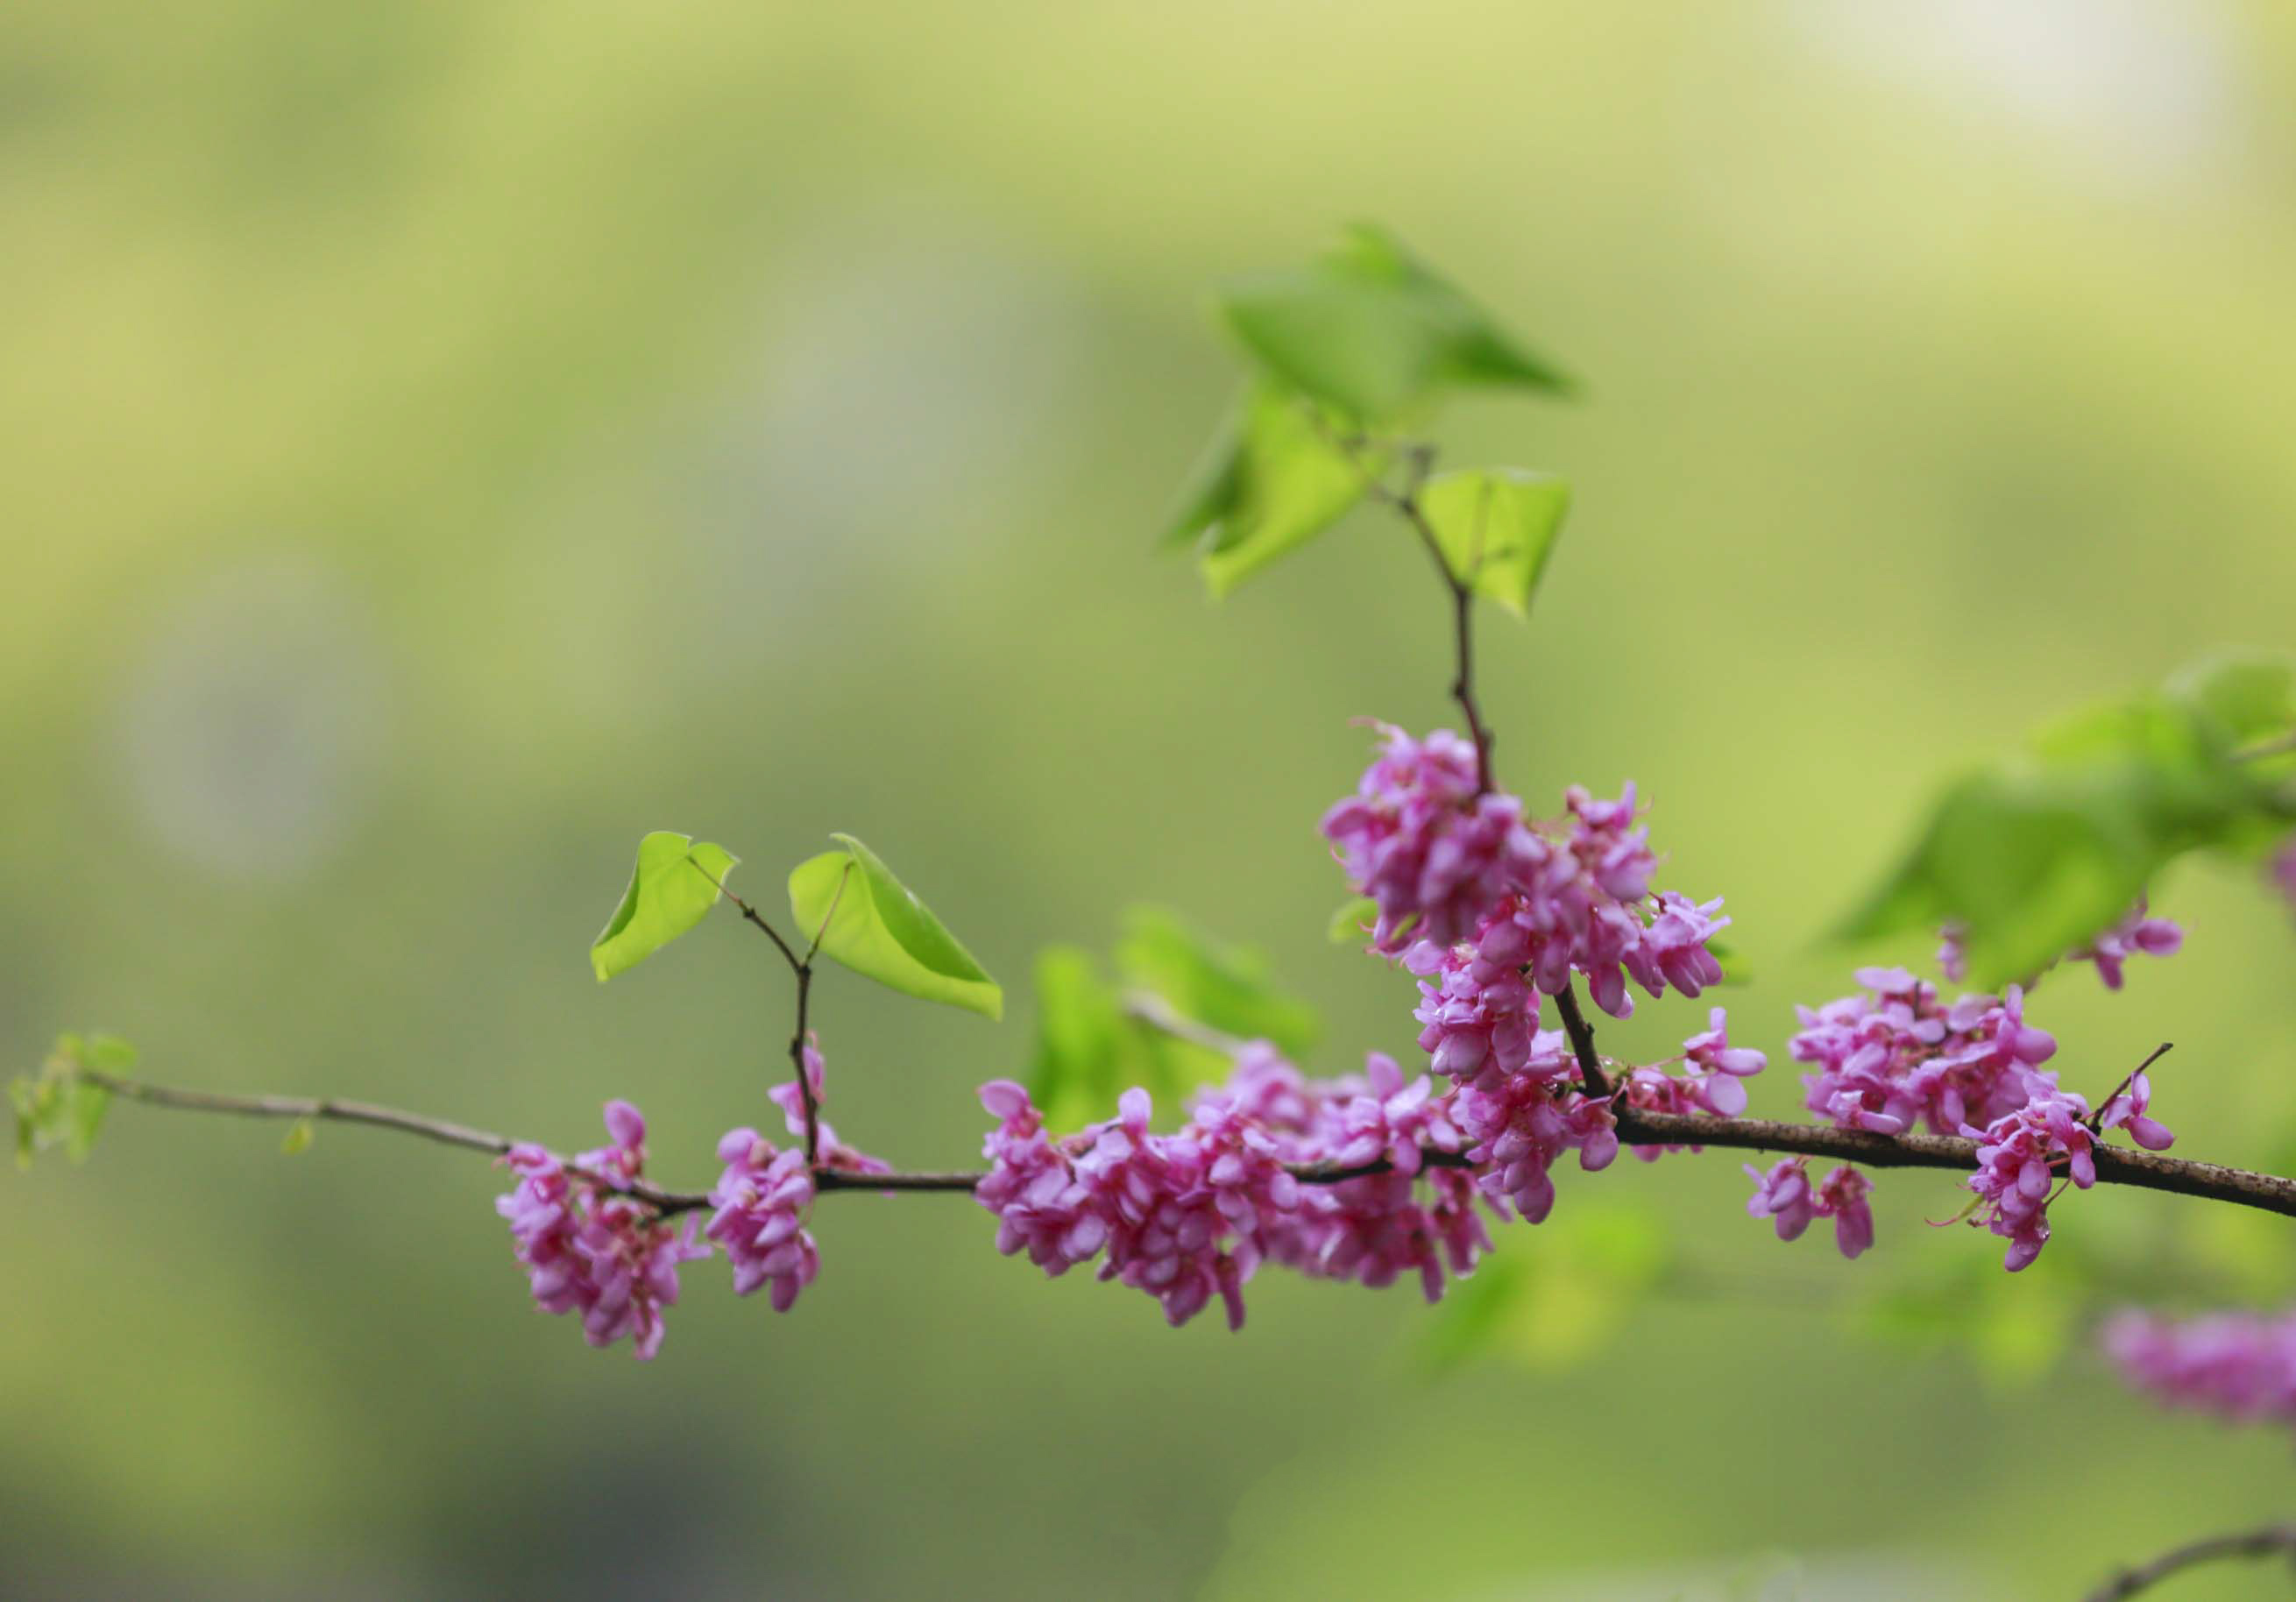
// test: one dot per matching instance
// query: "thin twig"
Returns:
(752, 914)
(1158, 1013)
(1420, 459)
(2272, 1541)
(2096, 1118)
(333, 1110)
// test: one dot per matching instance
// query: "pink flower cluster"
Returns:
(1897, 1056)
(1418, 1220)
(588, 1248)
(1179, 1215)
(2241, 1365)
(1783, 1195)
(1425, 842)
(2284, 869)
(1474, 897)
(1188, 1216)
(2017, 1158)
(761, 1200)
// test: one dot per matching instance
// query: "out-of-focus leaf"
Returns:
(23, 1100)
(2037, 854)
(2014, 1327)
(673, 887)
(1089, 1050)
(1351, 922)
(298, 1139)
(1554, 1308)
(1226, 987)
(1275, 478)
(1369, 330)
(2250, 697)
(875, 926)
(1496, 528)
(59, 1109)
(1736, 971)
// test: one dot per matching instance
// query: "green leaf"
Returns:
(674, 884)
(2247, 697)
(299, 1139)
(23, 1096)
(2035, 854)
(59, 1108)
(1089, 1049)
(1496, 528)
(1369, 330)
(2014, 1330)
(1557, 1309)
(83, 1108)
(1735, 970)
(1226, 987)
(1351, 922)
(1277, 477)
(875, 926)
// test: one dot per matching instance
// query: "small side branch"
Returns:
(332, 1110)
(2273, 1540)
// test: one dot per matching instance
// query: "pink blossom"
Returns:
(2282, 872)
(1419, 839)
(761, 1199)
(1449, 868)
(1040, 1207)
(1785, 1195)
(829, 1151)
(1521, 1127)
(1842, 1195)
(2240, 1366)
(588, 1248)
(2126, 1110)
(2016, 1154)
(2137, 933)
(1897, 1056)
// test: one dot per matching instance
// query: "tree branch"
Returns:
(2271, 1540)
(1582, 1043)
(2115, 1165)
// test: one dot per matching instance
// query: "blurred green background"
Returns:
(444, 441)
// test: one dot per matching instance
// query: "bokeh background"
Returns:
(444, 441)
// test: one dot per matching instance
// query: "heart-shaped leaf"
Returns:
(874, 924)
(1369, 329)
(1497, 526)
(674, 884)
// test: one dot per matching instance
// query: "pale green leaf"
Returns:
(1225, 987)
(2035, 854)
(872, 924)
(1352, 921)
(299, 1139)
(1496, 528)
(674, 884)
(1277, 476)
(1369, 330)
